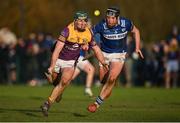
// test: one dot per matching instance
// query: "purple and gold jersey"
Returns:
(113, 40)
(73, 42)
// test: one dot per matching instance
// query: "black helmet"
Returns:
(113, 11)
(81, 15)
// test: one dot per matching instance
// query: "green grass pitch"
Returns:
(21, 103)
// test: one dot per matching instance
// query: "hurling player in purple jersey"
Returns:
(113, 31)
(73, 38)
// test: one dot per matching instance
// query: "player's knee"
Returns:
(112, 79)
(91, 70)
(64, 82)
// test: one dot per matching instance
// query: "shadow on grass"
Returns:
(24, 111)
(33, 112)
(79, 115)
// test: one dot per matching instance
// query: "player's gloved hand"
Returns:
(138, 51)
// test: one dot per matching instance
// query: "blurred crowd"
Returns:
(24, 60)
(160, 68)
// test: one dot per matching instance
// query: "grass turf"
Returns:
(21, 103)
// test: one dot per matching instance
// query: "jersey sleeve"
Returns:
(64, 35)
(129, 25)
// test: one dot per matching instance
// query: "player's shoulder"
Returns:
(70, 25)
(125, 21)
(66, 30)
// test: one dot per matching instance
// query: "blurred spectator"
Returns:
(7, 37)
(128, 68)
(49, 41)
(174, 34)
(3, 62)
(12, 63)
(151, 66)
(22, 60)
(7, 55)
(155, 64)
(32, 63)
(43, 58)
(139, 68)
(172, 66)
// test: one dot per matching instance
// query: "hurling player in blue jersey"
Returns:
(113, 31)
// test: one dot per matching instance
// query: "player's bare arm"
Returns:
(99, 56)
(58, 48)
(136, 34)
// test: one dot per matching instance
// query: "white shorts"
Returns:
(114, 57)
(81, 64)
(63, 64)
(172, 66)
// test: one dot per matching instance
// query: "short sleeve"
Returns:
(65, 32)
(129, 25)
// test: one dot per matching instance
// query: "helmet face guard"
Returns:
(112, 11)
(80, 15)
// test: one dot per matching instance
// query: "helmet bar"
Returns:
(112, 11)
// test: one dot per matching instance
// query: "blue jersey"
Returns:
(113, 40)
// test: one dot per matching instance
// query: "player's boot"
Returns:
(88, 91)
(59, 98)
(49, 77)
(92, 107)
(44, 108)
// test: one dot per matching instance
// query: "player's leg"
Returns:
(89, 69)
(115, 69)
(76, 73)
(168, 75)
(67, 74)
(175, 73)
(167, 84)
(103, 74)
(56, 82)
(54, 78)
